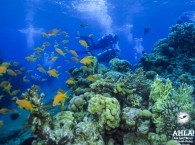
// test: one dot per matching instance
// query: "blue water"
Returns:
(112, 16)
(23, 21)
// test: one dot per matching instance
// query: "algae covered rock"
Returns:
(107, 109)
(86, 133)
(120, 65)
(130, 117)
(151, 74)
(132, 139)
(145, 114)
(157, 139)
(76, 104)
(136, 120)
(61, 132)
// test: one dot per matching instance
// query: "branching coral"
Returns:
(134, 100)
(168, 102)
(159, 90)
(184, 95)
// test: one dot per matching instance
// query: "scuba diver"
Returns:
(108, 44)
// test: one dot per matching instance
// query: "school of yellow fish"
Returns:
(60, 51)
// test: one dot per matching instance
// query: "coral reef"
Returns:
(116, 108)
(168, 103)
(182, 37)
(38, 117)
(173, 57)
(136, 120)
(61, 131)
(106, 110)
(120, 65)
(118, 105)
(87, 133)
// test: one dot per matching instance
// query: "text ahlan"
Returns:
(183, 133)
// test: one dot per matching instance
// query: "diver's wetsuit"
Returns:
(108, 45)
(107, 55)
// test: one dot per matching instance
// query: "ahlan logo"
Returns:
(183, 118)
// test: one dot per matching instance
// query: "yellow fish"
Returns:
(15, 63)
(6, 64)
(4, 83)
(1, 96)
(59, 51)
(18, 72)
(41, 69)
(91, 78)
(64, 33)
(3, 70)
(45, 35)
(47, 107)
(5, 111)
(54, 58)
(30, 58)
(75, 59)
(53, 32)
(6, 86)
(60, 97)
(71, 81)
(39, 49)
(45, 44)
(25, 79)
(1, 123)
(11, 72)
(15, 92)
(73, 52)
(65, 41)
(25, 104)
(53, 73)
(83, 43)
(86, 60)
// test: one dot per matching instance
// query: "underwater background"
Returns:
(55, 89)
